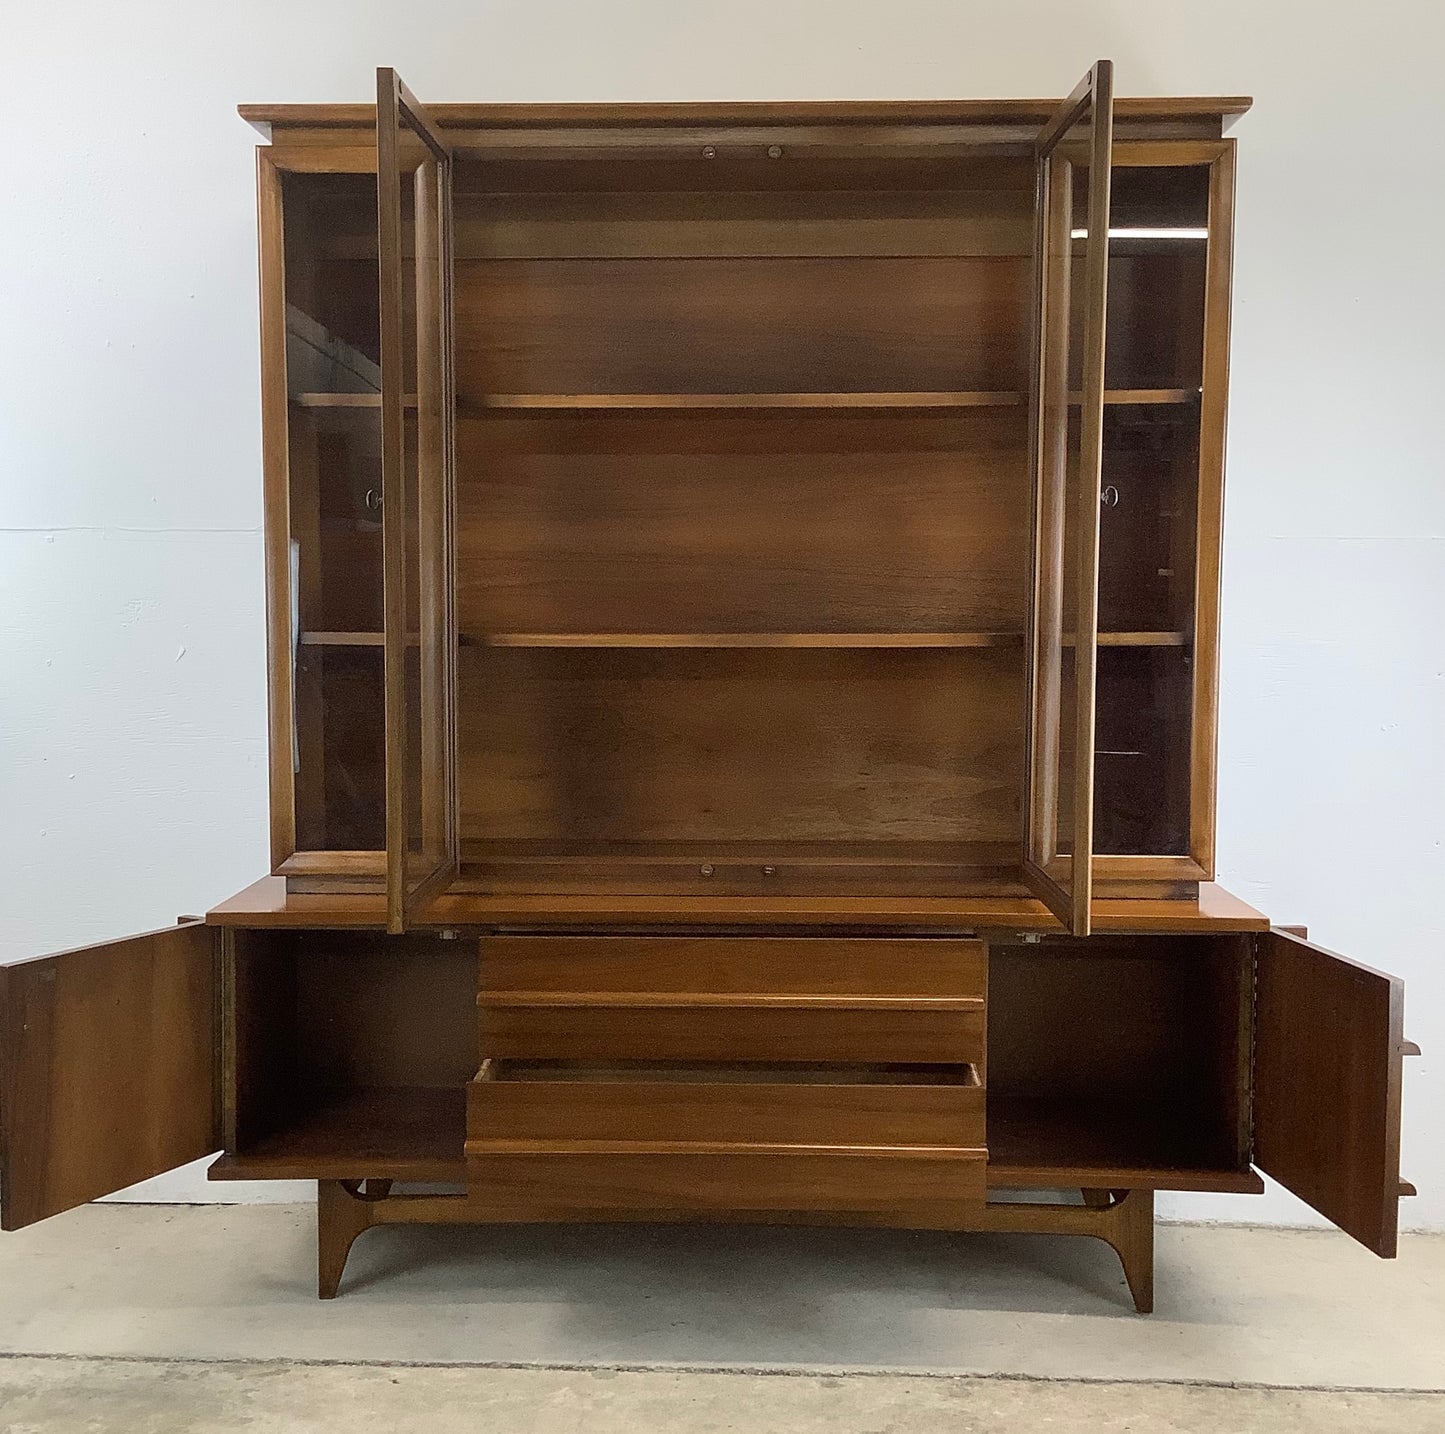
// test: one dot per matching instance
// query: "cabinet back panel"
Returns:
(370, 1010)
(729, 325)
(740, 745)
(479, 180)
(732, 523)
(663, 224)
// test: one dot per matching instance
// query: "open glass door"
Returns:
(414, 226)
(1071, 253)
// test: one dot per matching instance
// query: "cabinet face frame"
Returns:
(1064, 579)
(421, 829)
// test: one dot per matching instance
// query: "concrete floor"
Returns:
(81, 1397)
(161, 1318)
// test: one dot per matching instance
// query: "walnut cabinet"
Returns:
(743, 595)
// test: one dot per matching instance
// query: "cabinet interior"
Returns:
(1111, 1054)
(1120, 1053)
(743, 523)
(352, 1047)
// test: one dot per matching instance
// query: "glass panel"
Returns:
(1149, 501)
(1067, 411)
(341, 747)
(414, 188)
(333, 378)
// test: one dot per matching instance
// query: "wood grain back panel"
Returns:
(108, 1069)
(740, 325)
(743, 223)
(737, 523)
(740, 745)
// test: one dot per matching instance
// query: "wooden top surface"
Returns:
(842, 112)
(266, 904)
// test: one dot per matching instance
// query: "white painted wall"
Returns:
(132, 740)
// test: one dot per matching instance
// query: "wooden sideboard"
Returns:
(743, 598)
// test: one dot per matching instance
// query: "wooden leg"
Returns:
(1130, 1231)
(1097, 1199)
(342, 1213)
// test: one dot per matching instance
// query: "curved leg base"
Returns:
(343, 1210)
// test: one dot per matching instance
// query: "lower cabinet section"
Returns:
(842, 1079)
(727, 1136)
(836, 1075)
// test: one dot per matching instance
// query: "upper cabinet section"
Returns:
(683, 500)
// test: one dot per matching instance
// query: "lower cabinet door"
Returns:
(108, 1070)
(658, 1136)
(1329, 1045)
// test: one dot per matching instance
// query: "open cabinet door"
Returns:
(1329, 1045)
(108, 1071)
(1071, 257)
(414, 226)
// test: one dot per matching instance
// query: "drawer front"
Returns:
(898, 1186)
(698, 1030)
(734, 965)
(724, 1107)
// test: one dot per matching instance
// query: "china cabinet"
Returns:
(743, 604)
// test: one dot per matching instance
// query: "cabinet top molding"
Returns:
(1216, 110)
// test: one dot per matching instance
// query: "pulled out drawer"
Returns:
(669, 1137)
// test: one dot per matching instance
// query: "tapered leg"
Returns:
(342, 1213)
(1131, 1233)
(1096, 1199)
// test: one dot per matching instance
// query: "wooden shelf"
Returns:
(751, 639)
(1137, 639)
(392, 1132)
(982, 398)
(883, 640)
(909, 399)
(1055, 1145)
(342, 639)
(346, 400)
(800, 639)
